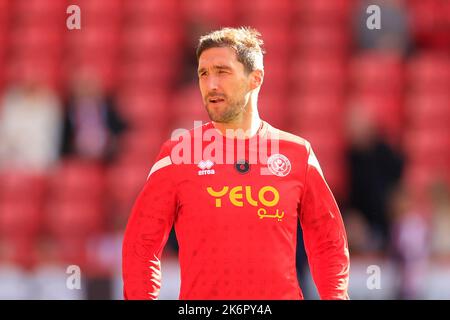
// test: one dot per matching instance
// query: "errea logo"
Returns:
(205, 167)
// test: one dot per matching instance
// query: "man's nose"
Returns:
(212, 83)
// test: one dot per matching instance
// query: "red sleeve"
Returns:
(324, 234)
(147, 232)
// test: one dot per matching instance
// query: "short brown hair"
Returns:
(245, 41)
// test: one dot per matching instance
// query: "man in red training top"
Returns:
(234, 189)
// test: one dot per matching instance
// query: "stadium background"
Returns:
(84, 112)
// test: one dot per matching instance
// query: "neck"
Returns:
(246, 125)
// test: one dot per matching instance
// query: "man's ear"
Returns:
(257, 78)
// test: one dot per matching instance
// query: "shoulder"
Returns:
(289, 139)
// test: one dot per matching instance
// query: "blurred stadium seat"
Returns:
(266, 12)
(428, 111)
(145, 11)
(322, 39)
(77, 179)
(144, 108)
(215, 14)
(316, 111)
(321, 74)
(429, 72)
(334, 12)
(374, 72)
(74, 218)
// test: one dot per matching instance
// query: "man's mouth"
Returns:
(215, 100)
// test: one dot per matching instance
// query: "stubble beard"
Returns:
(229, 112)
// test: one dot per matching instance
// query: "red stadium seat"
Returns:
(21, 221)
(428, 147)
(154, 39)
(187, 106)
(430, 23)
(44, 69)
(320, 39)
(2, 76)
(275, 69)
(105, 68)
(5, 9)
(77, 179)
(19, 187)
(96, 12)
(267, 11)
(39, 11)
(428, 111)
(4, 42)
(274, 37)
(377, 73)
(272, 106)
(268, 6)
(324, 11)
(75, 218)
(329, 143)
(20, 218)
(429, 73)
(334, 170)
(318, 74)
(98, 41)
(316, 111)
(35, 36)
(20, 251)
(144, 109)
(100, 6)
(157, 74)
(143, 145)
(419, 178)
(71, 250)
(36, 42)
(125, 180)
(144, 11)
(387, 110)
(212, 13)
(329, 146)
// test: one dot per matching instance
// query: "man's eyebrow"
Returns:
(220, 67)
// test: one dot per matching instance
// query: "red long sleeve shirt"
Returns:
(236, 221)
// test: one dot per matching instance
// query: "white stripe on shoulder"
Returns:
(164, 162)
(286, 136)
(312, 161)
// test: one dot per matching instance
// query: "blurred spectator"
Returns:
(440, 206)
(375, 169)
(410, 244)
(30, 127)
(394, 34)
(91, 123)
